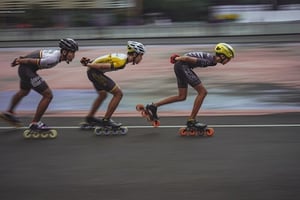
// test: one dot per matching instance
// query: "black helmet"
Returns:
(68, 44)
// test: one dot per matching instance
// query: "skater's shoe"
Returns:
(194, 123)
(11, 118)
(93, 121)
(40, 126)
(152, 109)
(110, 123)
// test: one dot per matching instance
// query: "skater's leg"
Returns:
(97, 103)
(202, 92)
(113, 104)
(90, 120)
(152, 108)
(47, 96)
(181, 96)
(16, 99)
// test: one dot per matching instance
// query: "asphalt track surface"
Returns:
(250, 157)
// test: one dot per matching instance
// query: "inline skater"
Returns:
(183, 68)
(29, 79)
(104, 84)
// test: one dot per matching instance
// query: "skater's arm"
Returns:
(20, 60)
(86, 62)
(201, 62)
(187, 59)
(101, 66)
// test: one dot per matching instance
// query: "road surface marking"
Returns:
(178, 126)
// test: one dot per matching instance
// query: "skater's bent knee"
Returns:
(181, 98)
(203, 92)
(47, 94)
(119, 94)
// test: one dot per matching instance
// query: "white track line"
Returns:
(179, 126)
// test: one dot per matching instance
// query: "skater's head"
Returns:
(68, 48)
(224, 53)
(135, 51)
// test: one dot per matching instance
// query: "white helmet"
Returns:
(136, 47)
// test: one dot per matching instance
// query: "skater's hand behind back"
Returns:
(173, 58)
(84, 61)
(15, 62)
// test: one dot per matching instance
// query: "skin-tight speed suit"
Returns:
(99, 79)
(184, 71)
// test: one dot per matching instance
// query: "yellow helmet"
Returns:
(225, 49)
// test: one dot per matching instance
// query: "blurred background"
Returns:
(99, 19)
(264, 76)
(101, 13)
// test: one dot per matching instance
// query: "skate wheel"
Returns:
(156, 123)
(35, 135)
(124, 130)
(115, 132)
(210, 132)
(27, 134)
(98, 131)
(200, 132)
(44, 135)
(107, 132)
(103, 131)
(192, 132)
(140, 107)
(53, 134)
(182, 132)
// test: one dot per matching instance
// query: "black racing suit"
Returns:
(29, 79)
(184, 71)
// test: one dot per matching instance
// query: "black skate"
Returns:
(110, 127)
(39, 130)
(90, 123)
(150, 112)
(194, 128)
(11, 119)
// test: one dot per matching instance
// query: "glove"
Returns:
(172, 58)
(84, 61)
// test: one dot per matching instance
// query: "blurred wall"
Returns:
(256, 13)
(191, 29)
(102, 19)
(66, 4)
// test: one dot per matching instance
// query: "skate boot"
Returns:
(110, 127)
(149, 112)
(192, 123)
(11, 118)
(110, 123)
(193, 128)
(152, 110)
(39, 130)
(90, 123)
